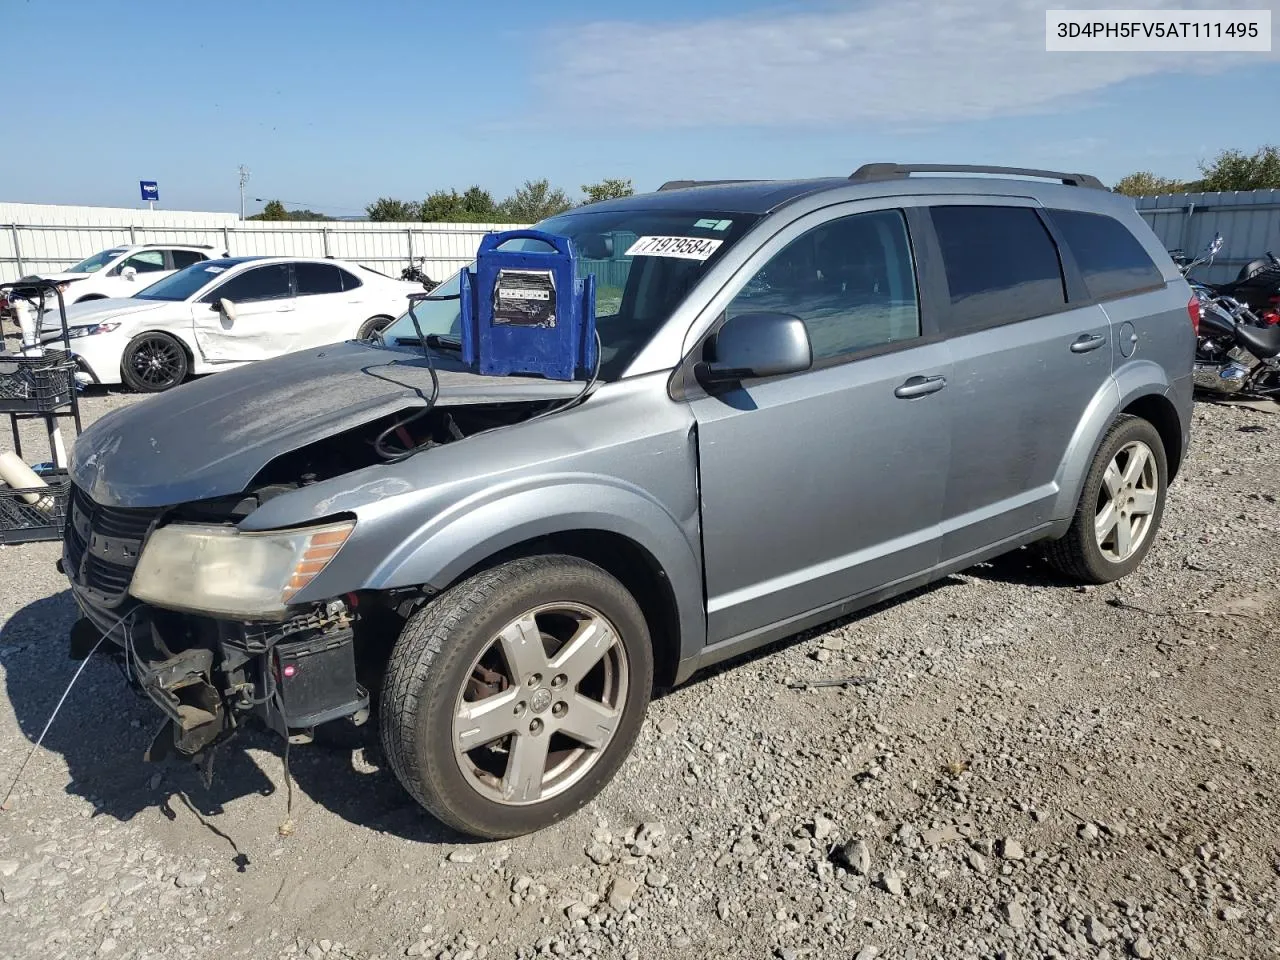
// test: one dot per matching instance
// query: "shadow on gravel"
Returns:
(769, 649)
(104, 727)
(1023, 567)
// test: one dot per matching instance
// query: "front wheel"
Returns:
(371, 326)
(1120, 508)
(511, 700)
(153, 362)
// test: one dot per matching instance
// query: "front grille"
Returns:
(102, 545)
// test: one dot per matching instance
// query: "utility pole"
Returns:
(244, 178)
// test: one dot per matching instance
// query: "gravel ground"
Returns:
(1022, 769)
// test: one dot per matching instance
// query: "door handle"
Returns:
(919, 387)
(1086, 342)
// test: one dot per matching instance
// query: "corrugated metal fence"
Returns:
(49, 238)
(1249, 222)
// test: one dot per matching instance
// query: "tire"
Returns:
(371, 326)
(448, 647)
(153, 362)
(1081, 554)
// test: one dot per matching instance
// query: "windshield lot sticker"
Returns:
(214, 269)
(713, 224)
(684, 248)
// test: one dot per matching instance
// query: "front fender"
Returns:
(470, 531)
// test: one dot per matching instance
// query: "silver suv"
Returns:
(811, 395)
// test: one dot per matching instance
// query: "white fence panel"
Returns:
(1249, 221)
(38, 238)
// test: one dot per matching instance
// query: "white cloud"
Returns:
(895, 61)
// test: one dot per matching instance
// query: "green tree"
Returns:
(397, 211)
(478, 205)
(1147, 184)
(443, 206)
(607, 190)
(274, 210)
(534, 201)
(306, 214)
(1235, 170)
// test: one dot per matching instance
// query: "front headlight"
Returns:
(94, 328)
(221, 571)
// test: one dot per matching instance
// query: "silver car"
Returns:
(811, 395)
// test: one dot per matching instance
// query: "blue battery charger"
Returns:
(525, 312)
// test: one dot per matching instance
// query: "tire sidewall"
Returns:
(131, 379)
(1127, 431)
(432, 750)
(367, 330)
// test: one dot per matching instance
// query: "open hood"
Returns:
(210, 437)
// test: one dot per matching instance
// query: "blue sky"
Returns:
(332, 103)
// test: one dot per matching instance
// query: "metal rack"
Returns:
(38, 387)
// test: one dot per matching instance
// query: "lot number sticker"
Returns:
(685, 248)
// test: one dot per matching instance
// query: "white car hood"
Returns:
(99, 311)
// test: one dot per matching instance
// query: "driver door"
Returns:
(264, 324)
(828, 484)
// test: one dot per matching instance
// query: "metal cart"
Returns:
(37, 387)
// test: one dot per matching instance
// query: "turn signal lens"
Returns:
(320, 549)
(1193, 311)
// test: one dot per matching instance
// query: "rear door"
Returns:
(1031, 354)
(827, 484)
(326, 312)
(264, 324)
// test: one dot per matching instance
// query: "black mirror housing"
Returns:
(758, 345)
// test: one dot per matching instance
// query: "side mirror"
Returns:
(758, 345)
(227, 309)
(129, 273)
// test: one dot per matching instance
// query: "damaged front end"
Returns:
(210, 615)
(208, 675)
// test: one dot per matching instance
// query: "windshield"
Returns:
(184, 283)
(642, 269)
(97, 261)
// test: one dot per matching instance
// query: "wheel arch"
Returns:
(187, 348)
(627, 534)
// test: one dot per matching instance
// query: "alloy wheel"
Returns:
(1126, 502)
(541, 704)
(156, 361)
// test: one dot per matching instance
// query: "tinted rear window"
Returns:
(1001, 265)
(1110, 257)
(315, 278)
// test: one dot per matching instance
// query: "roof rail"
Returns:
(681, 184)
(895, 171)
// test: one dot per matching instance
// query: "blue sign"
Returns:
(150, 190)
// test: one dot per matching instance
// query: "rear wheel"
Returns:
(1120, 507)
(371, 326)
(512, 700)
(153, 362)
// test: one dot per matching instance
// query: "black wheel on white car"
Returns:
(153, 362)
(511, 700)
(371, 326)
(1120, 508)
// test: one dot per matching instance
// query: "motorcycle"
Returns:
(1235, 352)
(1257, 285)
(416, 274)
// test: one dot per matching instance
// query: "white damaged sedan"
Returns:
(225, 313)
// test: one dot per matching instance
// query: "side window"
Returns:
(317, 278)
(260, 283)
(185, 258)
(1001, 265)
(852, 281)
(1112, 260)
(145, 261)
(349, 280)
